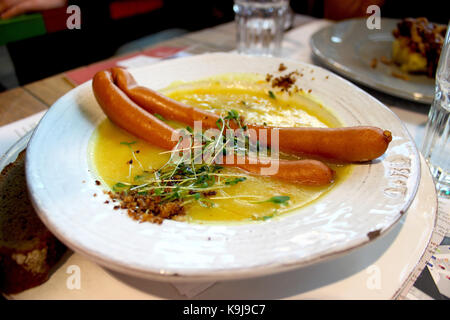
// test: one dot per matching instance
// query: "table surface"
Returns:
(30, 99)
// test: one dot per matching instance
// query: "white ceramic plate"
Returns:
(348, 47)
(363, 207)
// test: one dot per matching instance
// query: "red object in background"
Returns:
(128, 8)
(55, 19)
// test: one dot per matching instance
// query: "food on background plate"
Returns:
(28, 250)
(238, 191)
(417, 45)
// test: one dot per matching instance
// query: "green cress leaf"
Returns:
(276, 200)
(128, 143)
(279, 199)
(234, 181)
(272, 95)
(219, 123)
(119, 186)
(232, 115)
(160, 117)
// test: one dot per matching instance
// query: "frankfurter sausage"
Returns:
(126, 114)
(155, 102)
(350, 144)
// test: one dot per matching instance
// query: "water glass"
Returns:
(260, 26)
(436, 147)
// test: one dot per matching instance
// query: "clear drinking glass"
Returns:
(436, 147)
(260, 26)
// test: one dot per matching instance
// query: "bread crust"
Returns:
(26, 259)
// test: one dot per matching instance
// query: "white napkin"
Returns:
(12, 132)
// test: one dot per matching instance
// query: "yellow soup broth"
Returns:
(112, 148)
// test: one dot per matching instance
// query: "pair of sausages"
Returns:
(131, 107)
(350, 144)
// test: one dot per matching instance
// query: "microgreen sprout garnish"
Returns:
(160, 117)
(185, 177)
(283, 200)
(144, 174)
(232, 115)
(192, 174)
(129, 144)
(233, 181)
(219, 123)
(272, 95)
(119, 186)
(266, 217)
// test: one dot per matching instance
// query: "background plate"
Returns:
(363, 207)
(348, 47)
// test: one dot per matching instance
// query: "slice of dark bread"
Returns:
(28, 250)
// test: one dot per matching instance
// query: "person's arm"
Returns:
(12, 8)
(345, 9)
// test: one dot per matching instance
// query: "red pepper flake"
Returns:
(309, 91)
(97, 182)
(95, 194)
